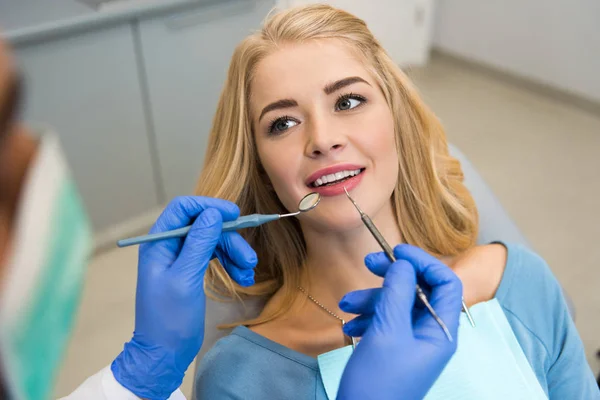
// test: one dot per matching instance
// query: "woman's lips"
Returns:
(338, 188)
(332, 170)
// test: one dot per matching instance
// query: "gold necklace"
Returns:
(328, 311)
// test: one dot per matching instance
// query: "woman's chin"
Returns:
(334, 221)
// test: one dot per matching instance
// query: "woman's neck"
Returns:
(335, 261)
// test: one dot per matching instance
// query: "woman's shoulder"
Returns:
(480, 269)
(527, 278)
(533, 301)
(246, 365)
(229, 350)
(506, 272)
(535, 307)
(522, 283)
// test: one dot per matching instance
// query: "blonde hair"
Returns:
(437, 212)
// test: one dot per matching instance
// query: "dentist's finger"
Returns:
(444, 283)
(243, 276)
(394, 310)
(183, 210)
(446, 288)
(377, 263)
(358, 326)
(200, 243)
(238, 250)
(360, 301)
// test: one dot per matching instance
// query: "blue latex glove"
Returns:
(170, 299)
(403, 350)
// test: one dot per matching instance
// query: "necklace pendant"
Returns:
(351, 337)
(328, 311)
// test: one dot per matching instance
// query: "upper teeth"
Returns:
(335, 177)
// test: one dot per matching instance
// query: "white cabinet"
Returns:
(404, 27)
(18, 14)
(186, 57)
(131, 98)
(87, 87)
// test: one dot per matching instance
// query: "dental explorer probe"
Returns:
(390, 254)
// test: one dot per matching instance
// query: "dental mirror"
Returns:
(309, 202)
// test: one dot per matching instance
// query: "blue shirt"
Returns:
(246, 365)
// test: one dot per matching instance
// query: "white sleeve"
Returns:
(104, 386)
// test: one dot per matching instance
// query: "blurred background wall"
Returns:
(552, 42)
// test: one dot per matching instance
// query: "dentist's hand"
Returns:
(170, 299)
(403, 350)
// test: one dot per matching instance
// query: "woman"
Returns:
(313, 103)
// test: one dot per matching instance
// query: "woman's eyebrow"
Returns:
(279, 104)
(337, 85)
(328, 89)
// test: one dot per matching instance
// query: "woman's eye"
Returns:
(282, 124)
(349, 102)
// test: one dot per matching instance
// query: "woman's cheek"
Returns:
(282, 175)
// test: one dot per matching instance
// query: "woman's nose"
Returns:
(324, 140)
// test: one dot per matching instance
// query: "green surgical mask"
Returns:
(43, 280)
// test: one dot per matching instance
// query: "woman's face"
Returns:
(318, 119)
